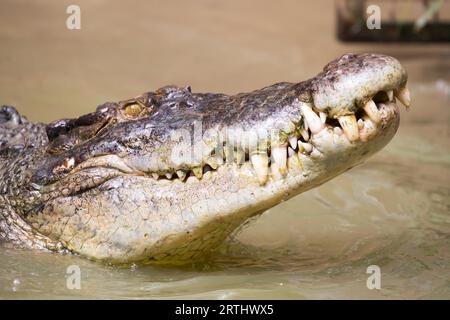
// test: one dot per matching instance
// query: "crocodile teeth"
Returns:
(369, 128)
(291, 152)
(368, 123)
(305, 147)
(323, 117)
(212, 162)
(293, 142)
(276, 172)
(305, 124)
(181, 174)
(313, 120)
(219, 159)
(390, 94)
(304, 134)
(168, 175)
(360, 123)
(260, 163)
(372, 111)
(198, 172)
(228, 154)
(337, 130)
(404, 96)
(350, 127)
(279, 155)
(155, 175)
(293, 161)
(239, 156)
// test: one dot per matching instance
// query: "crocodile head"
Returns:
(167, 176)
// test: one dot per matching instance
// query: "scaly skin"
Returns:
(167, 176)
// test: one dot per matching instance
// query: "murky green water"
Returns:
(393, 211)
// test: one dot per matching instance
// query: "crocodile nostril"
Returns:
(57, 128)
(10, 114)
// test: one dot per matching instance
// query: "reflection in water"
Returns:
(392, 212)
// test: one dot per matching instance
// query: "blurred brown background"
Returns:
(125, 48)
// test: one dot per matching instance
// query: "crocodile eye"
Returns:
(133, 110)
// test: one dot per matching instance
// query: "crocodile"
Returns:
(167, 176)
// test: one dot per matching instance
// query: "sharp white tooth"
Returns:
(155, 175)
(290, 152)
(390, 94)
(350, 127)
(369, 129)
(239, 156)
(313, 120)
(305, 124)
(219, 151)
(276, 172)
(181, 174)
(368, 123)
(198, 172)
(404, 96)
(228, 154)
(337, 130)
(212, 162)
(207, 175)
(323, 117)
(293, 142)
(306, 147)
(219, 160)
(360, 123)
(305, 134)
(191, 179)
(279, 155)
(372, 111)
(219, 155)
(260, 162)
(169, 175)
(293, 161)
